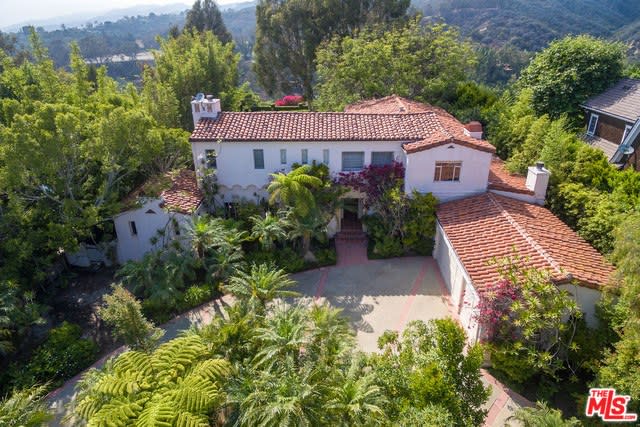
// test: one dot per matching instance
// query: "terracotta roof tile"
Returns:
(420, 130)
(488, 225)
(183, 196)
(502, 180)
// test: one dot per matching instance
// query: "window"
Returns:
(258, 159)
(627, 128)
(593, 123)
(132, 228)
(381, 158)
(325, 156)
(352, 160)
(447, 171)
(283, 156)
(305, 156)
(211, 159)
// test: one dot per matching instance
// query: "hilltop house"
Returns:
(485, 212)
(613, 122)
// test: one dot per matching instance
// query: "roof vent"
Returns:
(626, 87)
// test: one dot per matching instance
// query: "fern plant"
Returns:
(179, 384)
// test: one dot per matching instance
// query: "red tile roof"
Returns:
(419, 130)
(503, 180)
(183, 196)
(178, 189)
(393, 104)
(487, 226)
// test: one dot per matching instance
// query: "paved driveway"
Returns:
(380, 294)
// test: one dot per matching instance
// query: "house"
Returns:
(439, 154)
(154, 212)
(485, 211)
(613, 124)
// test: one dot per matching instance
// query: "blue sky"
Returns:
(17, 11)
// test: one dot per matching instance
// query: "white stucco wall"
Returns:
(456, 280)
(235, 165)
(529, 198)
(132, 247)
(587, 299)
(474, 173)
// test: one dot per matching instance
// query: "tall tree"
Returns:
(288, 33)
(205, 16)
(571, 70)
(193, 63)
(423, 62)
(294, 190)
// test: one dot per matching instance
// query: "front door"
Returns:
(350, 211)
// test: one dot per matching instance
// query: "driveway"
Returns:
(379, 295)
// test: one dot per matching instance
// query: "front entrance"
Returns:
(350, 209)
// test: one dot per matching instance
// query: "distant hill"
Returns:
(532, 24)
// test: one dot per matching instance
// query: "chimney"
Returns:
(473, 129)
(537, 181)
(204, 107)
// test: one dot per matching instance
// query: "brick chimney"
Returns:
(473, 129)
(538, 181)
(204, 107)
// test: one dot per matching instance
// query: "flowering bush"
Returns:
(374, 181)
(528, 320)
(289, 100)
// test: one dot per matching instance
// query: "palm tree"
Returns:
(543, 416)
(331, 337)
(306, 228)
(261, 284)
(268, 230)
(294, 190)
(357, 399)
(202, 234)
(283, 337)
(25, 408)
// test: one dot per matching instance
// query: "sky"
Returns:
(18, 11)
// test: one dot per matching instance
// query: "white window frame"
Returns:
(591, 131)
(325, 156)
(383, 152)
(457, 167)
(283, 156)
(304, 156)
(359, 153)
(627, 128)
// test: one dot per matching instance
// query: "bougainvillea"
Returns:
(494, 309)
(374, 181)
(289, 100)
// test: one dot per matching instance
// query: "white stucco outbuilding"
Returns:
(154, 212)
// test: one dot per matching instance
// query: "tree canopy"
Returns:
(415, 61)
(205, 16)
(571, 70)
(289, 32)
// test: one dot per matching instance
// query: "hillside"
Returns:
(532, 24)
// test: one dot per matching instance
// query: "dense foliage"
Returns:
(268, 363)
(205, 16)
(416, 61)
(569, 71)
(288, 34)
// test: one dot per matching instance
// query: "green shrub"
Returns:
(289, 260)
(63, 355)
(326, 257)
(512, 360)
(388, 247)
(196, 295)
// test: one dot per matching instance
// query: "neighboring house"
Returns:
(154, 212)
(613, 124)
